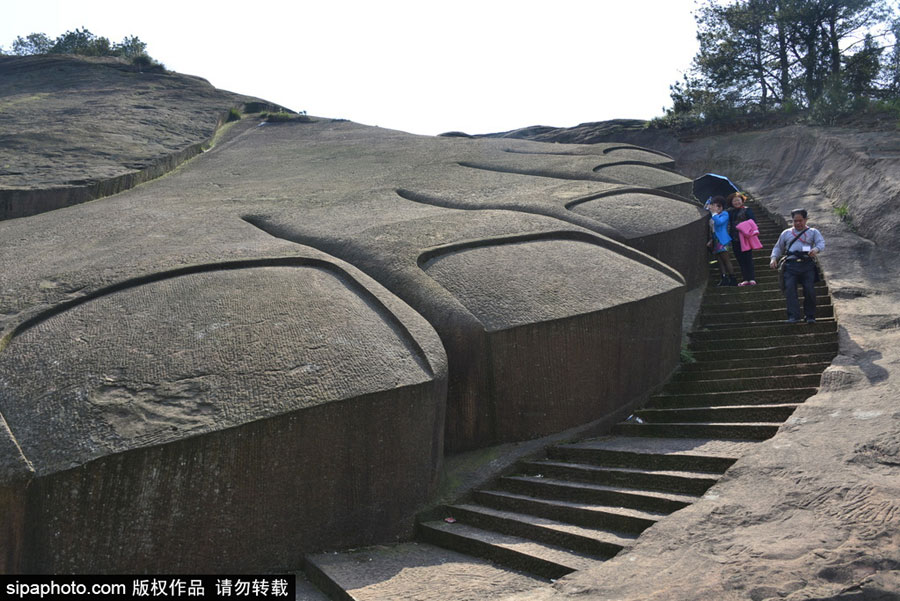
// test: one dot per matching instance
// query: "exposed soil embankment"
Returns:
(74, 129)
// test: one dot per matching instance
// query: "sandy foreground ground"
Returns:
(813, 513)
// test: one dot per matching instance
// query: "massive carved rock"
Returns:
(271, 348)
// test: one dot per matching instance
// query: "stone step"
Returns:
(588, 515)
(416, 571)
(591, 541)
(730, 382)
(731, 431)
(765, 315)
(739, 305)
(757, 331)
(674, 481)
(798, 338)
(773, 350)
(306, 590)
(582, 492)
(634, 457)
(704, 375)
(720, 414)
(775, 396)
(768, 287)
(751, 362)
(513, 552)
(777, 322)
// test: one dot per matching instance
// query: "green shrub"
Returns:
(234, 115)
(284, 117)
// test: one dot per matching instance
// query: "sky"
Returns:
(424, 66)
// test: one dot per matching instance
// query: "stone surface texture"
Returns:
(267, 351)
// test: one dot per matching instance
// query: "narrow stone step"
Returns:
(745, 431)
(729, 414)
(591, 541)
(728, 381)
(551, 488)
(637, 456)
(747, 373)
(722, 399)
(418, 571)
(514, 552)
(773, 350)
(684, 482)
(589, 515)
(758, 331)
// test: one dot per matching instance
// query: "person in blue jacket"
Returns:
(720, 240)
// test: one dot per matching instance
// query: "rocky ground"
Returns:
(76, 128)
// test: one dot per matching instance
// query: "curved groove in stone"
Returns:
(636, 190)
(537, 173)
(535, 152)
(625, 147)
(599, 168)
(431, 254)
(366, 295)
(600, 227)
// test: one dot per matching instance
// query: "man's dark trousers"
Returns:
(803, 273)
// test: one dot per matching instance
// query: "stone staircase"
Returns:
(587, 501)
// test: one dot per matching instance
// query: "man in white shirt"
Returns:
(801, 245)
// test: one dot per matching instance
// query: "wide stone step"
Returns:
(418, 571)
(548, 561)
(799, 338)
(771, 350)
(768, 288)
(745, 361)
(582, 492)
(731, 383)
(728, 414)
(591, 541)
(739, 305)
(682, 482)
(766, 315)
(744, 373)
(758, 331)
(637, 459)
(744, 431)
(775, 396)
(616, 519)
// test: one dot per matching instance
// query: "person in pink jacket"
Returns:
(743, 244)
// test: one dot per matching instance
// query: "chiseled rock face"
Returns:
(266, 352)
(290, 403)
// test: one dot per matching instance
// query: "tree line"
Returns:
(84, 43)
(825, 57)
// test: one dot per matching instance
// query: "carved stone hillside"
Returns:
(269, 350)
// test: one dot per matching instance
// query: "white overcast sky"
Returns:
(424, 66)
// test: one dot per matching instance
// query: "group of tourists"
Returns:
(733, 228)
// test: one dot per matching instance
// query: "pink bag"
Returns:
(749, 233)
